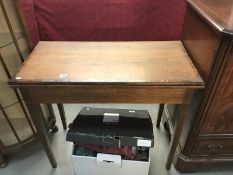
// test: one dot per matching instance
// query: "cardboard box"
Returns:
(115, 129)
(108, 164)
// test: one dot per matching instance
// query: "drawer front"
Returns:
(213, 147)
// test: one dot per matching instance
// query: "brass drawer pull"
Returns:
(215, 147)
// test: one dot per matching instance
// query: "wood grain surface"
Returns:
(106, 94)
(215, 12)
(197, 35)
(156, 63)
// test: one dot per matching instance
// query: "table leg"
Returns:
(54, 127)
(37, 118)
(177, 133)
(62, 114)
(3, 160)
(161, 107)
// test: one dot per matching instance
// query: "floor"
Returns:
(34, 160)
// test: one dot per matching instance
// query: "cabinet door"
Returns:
(219, 118)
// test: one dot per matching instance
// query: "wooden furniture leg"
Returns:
(3, 160)
(36, 116)
(161, 107)
(54, 127)
(177, 133)
(62, 115)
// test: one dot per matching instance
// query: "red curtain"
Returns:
(103, 20)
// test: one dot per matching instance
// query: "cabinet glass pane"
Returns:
(7, 137)
(11, 58)
(7, 95)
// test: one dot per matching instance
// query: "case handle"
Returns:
(108, 160)
(111, 117)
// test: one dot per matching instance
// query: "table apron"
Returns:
(106, 94)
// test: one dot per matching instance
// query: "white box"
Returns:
(107, 164)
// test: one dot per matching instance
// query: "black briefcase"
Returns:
(112, 127)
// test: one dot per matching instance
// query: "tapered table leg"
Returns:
(160, 113)
(62, 115)
(177, 133)
(37, 118)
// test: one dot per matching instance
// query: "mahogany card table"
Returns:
(107, 72)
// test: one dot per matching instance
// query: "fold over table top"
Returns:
(158, 63)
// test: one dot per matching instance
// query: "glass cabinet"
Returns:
(16, 127)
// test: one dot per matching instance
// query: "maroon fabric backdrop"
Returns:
(103, 20)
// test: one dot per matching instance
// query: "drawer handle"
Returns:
(215, 147)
